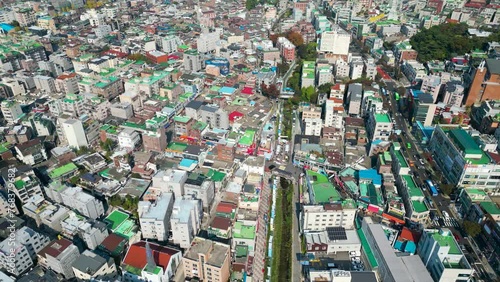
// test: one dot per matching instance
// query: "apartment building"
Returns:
(67, 83)
(466, 164)
(207, 260)
(25, 16)
(154, 217)
(27, 243)
(313, 126)
(308, 74)
(128, 139)
(442, 256)
(336, 41)
(207, 42)
(422, 108)
(46, 84)
(413, 70)
(379, 126)
(31, 152)
(74, 133)
(215, 116)
(185, 221)
(75, 198)
(11, 111)
(27, 186)
(200, 187)
(319, 217)
(432, 84)
(355, 96)
(193, 61)
(59, 256)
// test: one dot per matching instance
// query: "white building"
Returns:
(454, 93)
(200, 188)
(45, 83)
(207, 42)
(59, 256)
(128, 139)
(319, 217)
(89, 266)
(102, 30)
(413, 70)
(27, 186)
(342, 69)
(442, 256)
(26, 244)
(379, 126)
(170, 181)
(355, 96)
(170, 43)
(155, 217)
(67, 83)
(91, 232)
(326, 241)
(185, 221)
(11, 111)
(356, 70)
(334, 112)
(74, 133)
(313, 126)
(336, 41)
(75, 198)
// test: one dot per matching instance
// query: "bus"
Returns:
(408, 145)
(396, 96)
(432, 188)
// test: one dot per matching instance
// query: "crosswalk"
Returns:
(448, 222)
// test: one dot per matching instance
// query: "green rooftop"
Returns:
(177, 146)
(111, 129)
(467, 145)
(241, 231)
(490, 207)
(215, 175)
(247, 138)
(447, 241)
(126, 229)
(62, 170)
(19, 184)
(382, 118)
(182, 119)
(199, 125)
(419, 206)
(401, 158)
(366, 246)
(4, 147)
(116, 218)
(413, 190)
(323, 189)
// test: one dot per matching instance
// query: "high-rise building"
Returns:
(193, 61)
(379, 126)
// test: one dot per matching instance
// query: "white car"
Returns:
(445, 214)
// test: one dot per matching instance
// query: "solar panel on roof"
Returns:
(336, 233)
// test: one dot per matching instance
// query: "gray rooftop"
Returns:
(89, 262)
(217, 252)
(493, 66)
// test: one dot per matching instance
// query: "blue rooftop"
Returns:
(6, 27)
(371, 174)
(227, 90)
(187, 162)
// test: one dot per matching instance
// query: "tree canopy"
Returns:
(308, 51)
(444, 41)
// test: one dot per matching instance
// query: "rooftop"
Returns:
(446, 239)
(241, 231)
(324, 191)
(62, 170)
(382, 118)
(218, 252)
(115, 219)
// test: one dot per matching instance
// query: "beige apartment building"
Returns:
(207, 260)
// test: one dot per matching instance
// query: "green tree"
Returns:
(283, 68)
(472, 228)
(447, 189)
(308, 51)
(309, 95)
(250, 4)
(295, 38)
(325, 88)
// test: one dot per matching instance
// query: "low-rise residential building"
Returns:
(379, 126)
(200, 187)
(319, 217)
(31, 152)
(59, 256)
(27, 186)
(43, 212)
(91, 266)
(75, 198)
(146, 261)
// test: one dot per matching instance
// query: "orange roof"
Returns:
(338, 108)
(409, 235)
(336, 87)
(336, 100)
(136, 255)
(226, 207)
(64, 76)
